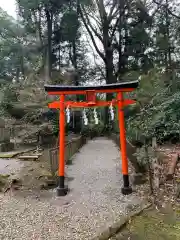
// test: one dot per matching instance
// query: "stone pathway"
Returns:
(94, 203)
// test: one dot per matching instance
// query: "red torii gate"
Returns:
(90, 92)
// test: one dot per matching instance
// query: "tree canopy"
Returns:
(101, 40)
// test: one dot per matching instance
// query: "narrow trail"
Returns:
(94, 203)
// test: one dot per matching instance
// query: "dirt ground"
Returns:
(25, 175)
(29, 176)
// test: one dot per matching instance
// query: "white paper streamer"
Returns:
(85, 117)
(68, 114)
(96, 117)
(111, 111)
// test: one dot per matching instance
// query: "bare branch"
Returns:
(95, 19)
(90, 33)
(156, 10)
(114, 28)
(169, 11)
(94, 56)
(91, 26)
(111, 14)
(101, 9)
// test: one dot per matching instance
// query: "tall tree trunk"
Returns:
(59, 62)
(74, 62)
(125, 54)
(106, 38)
(17, 74)
(120, 44)
(21, 62)
(46, 66)
(168, 59)
(110, 78)
(74, 52)
(49, 16)
(22, 66)
(149, 168)
(37, 15)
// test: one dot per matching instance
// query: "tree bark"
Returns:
(121, 21)
(49, 17)
(149, 169)
(59, 62)
(74, 62)
(106, 35)
(109, 66)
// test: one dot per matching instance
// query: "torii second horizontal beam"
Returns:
(72, 104)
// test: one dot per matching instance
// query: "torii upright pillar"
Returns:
(91, 101)
(61, 189)
(126, 188)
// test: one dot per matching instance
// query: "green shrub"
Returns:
(159, 111)
(93, 130)
(55, 125)
(10, 95)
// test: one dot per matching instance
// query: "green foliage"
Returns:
(134, 42)
(70, 26)
(10, 95)
(166, 120)
(55, 124)
(93, 130)
(158, 111)
(16, 48)
(141, 155)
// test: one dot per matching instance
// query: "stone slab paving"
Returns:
(94, 203)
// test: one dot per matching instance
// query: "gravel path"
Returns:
(94, 202)
(9, 166)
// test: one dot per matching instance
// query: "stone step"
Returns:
(12, 154)
(35, 157)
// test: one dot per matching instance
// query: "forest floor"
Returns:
(29, 175)
(162, 220)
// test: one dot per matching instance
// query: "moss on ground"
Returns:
(153, 225)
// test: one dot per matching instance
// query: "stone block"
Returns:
(138, 178)
(2, 123)
(6, 146)
(4, 135)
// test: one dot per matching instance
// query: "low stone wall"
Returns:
(131, 150)
(71, 147)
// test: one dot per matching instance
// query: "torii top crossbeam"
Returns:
(108, 88)
(91, 101)
(90, 92)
